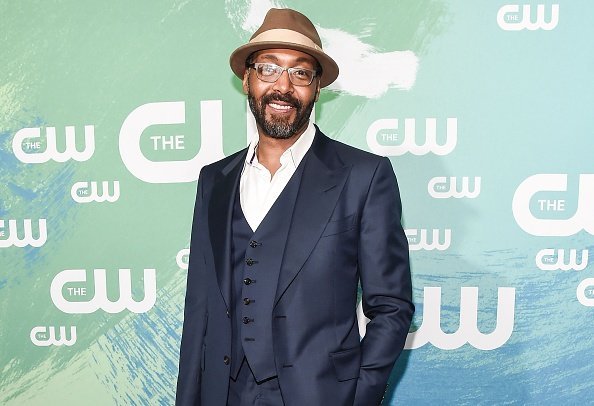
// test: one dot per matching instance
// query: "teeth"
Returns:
(279, 107)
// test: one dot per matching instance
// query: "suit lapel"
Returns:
(219, 221)
(323, 179)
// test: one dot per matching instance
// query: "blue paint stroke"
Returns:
(24, 193)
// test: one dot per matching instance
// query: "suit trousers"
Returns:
(245, 391)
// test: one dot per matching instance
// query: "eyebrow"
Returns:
(300, 59)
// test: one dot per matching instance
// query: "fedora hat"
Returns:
(286, 29)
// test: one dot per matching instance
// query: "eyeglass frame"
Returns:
(289, 72)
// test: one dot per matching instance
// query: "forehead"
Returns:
(285, 57)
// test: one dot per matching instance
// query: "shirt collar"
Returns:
(293, 155)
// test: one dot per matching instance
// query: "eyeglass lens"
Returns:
(269, 72)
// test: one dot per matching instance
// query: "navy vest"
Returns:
(257, 258)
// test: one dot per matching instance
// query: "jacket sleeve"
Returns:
(386, 285)
(190, 357)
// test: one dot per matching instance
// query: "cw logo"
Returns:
(86, 192)
(100, 299)
(442, 188)
(547, 260)
(28, 137)
(468, 332)
(182, 258)
(418, 240)
(12, 239)
(509, 18)
(583, 219)
(147, 115)
(585, 292)
(44, 337)
(409, 143)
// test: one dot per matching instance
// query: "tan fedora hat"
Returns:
(288, 29)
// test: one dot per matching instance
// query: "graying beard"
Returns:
(278, 129)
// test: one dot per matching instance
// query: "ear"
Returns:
(246, 85)
(317, 91)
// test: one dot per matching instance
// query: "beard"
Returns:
(280, 127)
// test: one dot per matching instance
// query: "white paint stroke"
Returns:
(364, 70)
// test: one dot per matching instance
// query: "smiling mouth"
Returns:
(280, 107)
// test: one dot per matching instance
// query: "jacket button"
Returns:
(250, 262)
(226, 360)
(246, 320)
(247, 281)
(228, 314)
(246, 301)
(254, 244)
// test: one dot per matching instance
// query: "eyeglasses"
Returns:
(269, 72)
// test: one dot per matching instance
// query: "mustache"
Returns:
(281, 97)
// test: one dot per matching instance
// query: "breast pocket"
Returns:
(339, 226)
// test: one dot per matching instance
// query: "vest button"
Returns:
(246, 301)
(246, 320)
(226, 360)
(247, 281)
(254, 244)
(250, 262)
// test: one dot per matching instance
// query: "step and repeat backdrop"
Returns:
(110, 109)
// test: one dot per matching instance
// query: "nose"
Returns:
(283, 83)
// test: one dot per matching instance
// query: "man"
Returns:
(283, 233)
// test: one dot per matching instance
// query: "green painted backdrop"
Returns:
(151, 82)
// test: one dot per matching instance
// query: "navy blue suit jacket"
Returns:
(345, 229)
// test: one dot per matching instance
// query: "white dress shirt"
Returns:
(258, 189)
